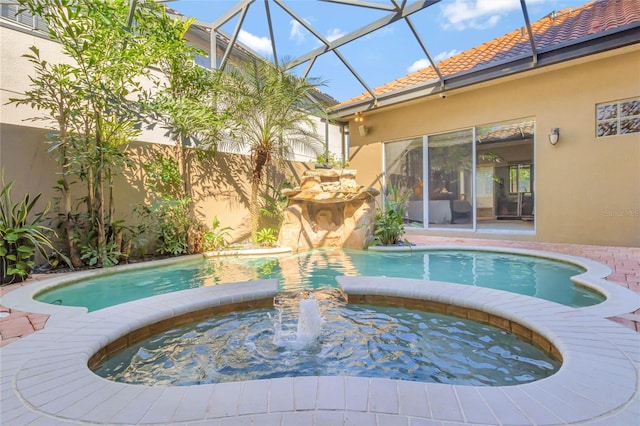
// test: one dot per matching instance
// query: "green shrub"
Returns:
(267, 237)
(169, 221)
(330, 160)
(21, 238)
(274, 202)
(217, 238)
(389, 220)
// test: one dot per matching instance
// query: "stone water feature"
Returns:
(328, 209)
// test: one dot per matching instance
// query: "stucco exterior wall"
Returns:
(587, 188)
(220, 185)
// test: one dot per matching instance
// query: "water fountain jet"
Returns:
(309, 322)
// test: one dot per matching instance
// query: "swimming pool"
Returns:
(315, 269)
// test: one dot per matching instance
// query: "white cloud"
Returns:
(478, 14)
(444, 55)
(334, 33)
(297, 31)
(491, 21)
(424, 62)
(418, 65)
(261, 45)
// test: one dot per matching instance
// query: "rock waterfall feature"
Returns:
(328, 209)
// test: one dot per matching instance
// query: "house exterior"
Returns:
(519, 140)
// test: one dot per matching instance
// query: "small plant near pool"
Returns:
(389, 220)
(330, 161)
(274, 203)
(21, 235)
(169, 221)
(218, 237)
(267, 237)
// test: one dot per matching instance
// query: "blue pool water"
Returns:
(316, 269)
(354, 340)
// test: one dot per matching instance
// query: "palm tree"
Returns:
(273, 111)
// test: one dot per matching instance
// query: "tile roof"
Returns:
(553, 30)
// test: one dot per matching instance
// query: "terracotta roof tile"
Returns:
(554, 29)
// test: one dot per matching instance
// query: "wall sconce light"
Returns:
(358, 118)
(363, 130)
(554, 136)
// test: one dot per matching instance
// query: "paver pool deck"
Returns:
(45, 379)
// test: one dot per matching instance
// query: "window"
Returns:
(618, 118)
(10, 11)
(203, 61)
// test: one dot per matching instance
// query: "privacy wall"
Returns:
(220, 184)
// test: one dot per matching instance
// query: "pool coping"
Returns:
(45, 375)
(619, 300)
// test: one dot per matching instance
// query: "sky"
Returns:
(446, 28)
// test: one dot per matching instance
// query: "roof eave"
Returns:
(571, 50)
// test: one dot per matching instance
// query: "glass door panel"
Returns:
(450, 173)
(485, 206)
(404, 170)
(504, 175)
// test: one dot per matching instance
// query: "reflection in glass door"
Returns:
(520, 184)
(404, 170)
(485, 191)
(480, 178)
(450, 179)
(505, 175)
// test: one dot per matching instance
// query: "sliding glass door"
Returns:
(481, 178)
(450, 177)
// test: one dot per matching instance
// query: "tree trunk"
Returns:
(67, 205)
(91, 195)
(112, 205)
(91, 209)
(99, 201)
(260, 160)
(68, 224)
(254, 211)
(179, 153)
(186, 175)
(101, 233)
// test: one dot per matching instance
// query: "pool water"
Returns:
(355, 340)
(317, 269)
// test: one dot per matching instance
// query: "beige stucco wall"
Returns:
(220, 184)
(587, 188)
